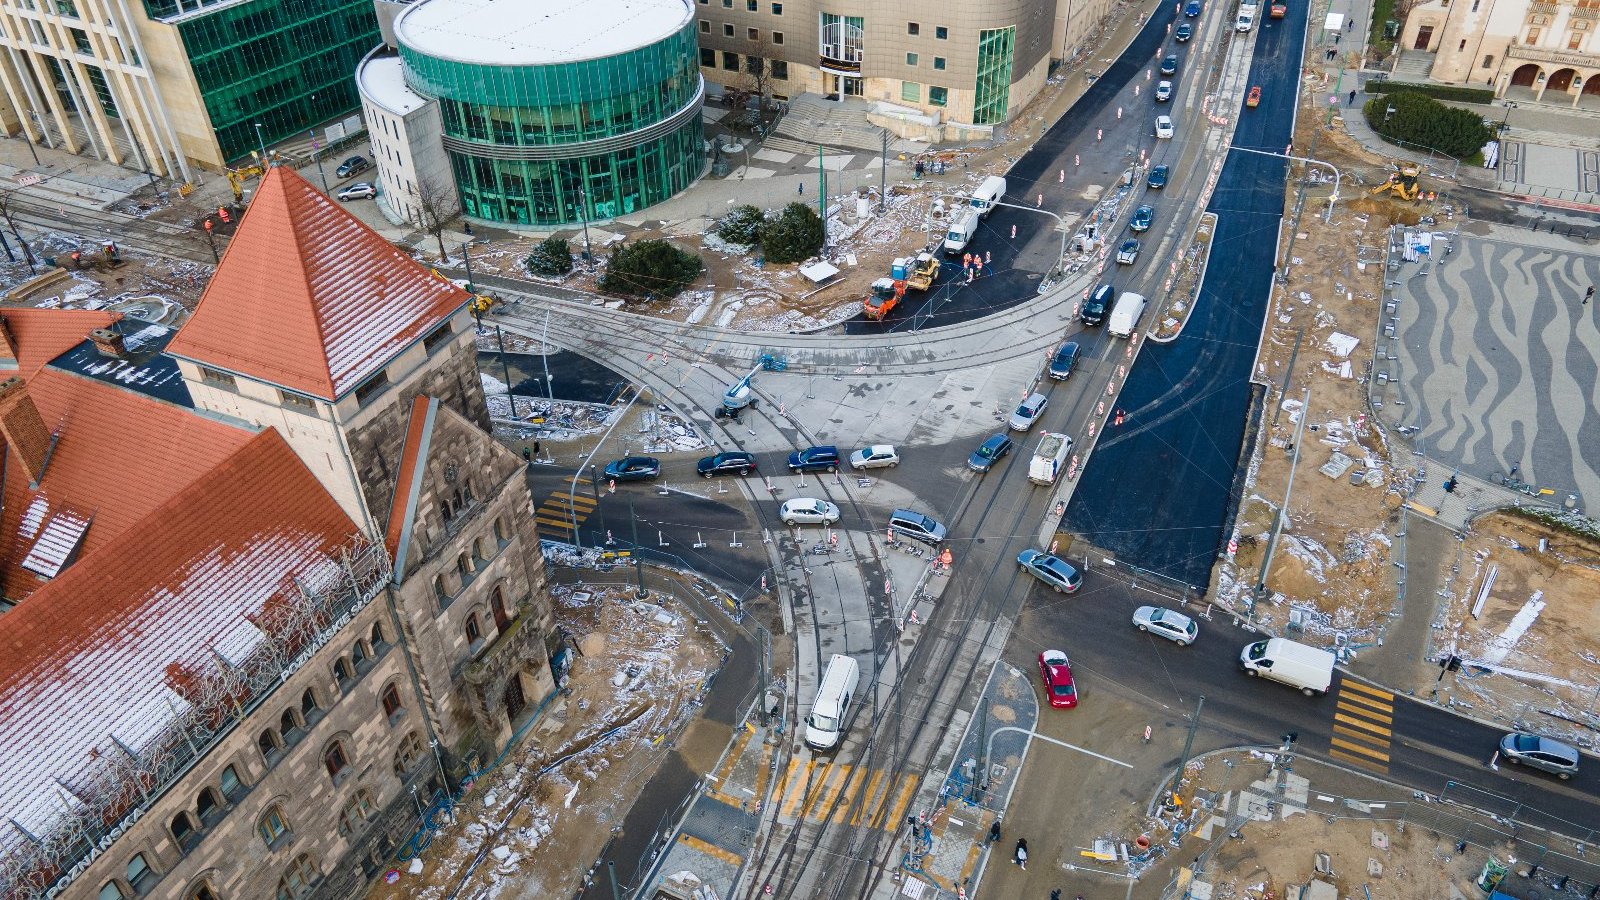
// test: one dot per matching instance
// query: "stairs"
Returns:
(1413, 65)
(811, 120)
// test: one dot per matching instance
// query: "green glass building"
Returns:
(554, 111)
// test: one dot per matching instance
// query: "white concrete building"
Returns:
(1529, 50)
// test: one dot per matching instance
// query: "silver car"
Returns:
(1536, 752)
(1174, 626)
(1029, 412)
(875, 457)
(808, 511)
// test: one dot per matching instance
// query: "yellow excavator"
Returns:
(1402, 182)
(237, 177)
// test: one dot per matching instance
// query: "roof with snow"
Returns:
(536, 32)
(98, 655)
(309, 298)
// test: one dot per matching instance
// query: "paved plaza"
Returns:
(1495, 357)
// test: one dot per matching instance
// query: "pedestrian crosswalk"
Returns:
(817, 791)
(1362, 719)
(561, 508)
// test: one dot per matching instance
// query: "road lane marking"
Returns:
(832, 782)
(795, 786)
(1367, 764)
(1361, 749)
(1380, 743)
(1358, 702)
(1353, 722)
(1365, 689)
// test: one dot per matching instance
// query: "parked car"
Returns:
(1174, 626)
(1158, 178)
(1163, 92)
(912, 524)
(1051, 570)
(733, 462)
(875, 457)
(1537, 752)
(1128, 253)
(1028, 412)
(1184, 32)
(1192, 9)
(1056, 673)
(361, 190)
(1164, 127)
(815, 459)
(1142, 217)
(808, 511)
(1169, 64)
(633, 468)
(1061, 364)
(353, 165)
(988, 453)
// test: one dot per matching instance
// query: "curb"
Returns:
(1200, 281)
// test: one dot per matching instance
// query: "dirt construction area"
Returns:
(531, 825)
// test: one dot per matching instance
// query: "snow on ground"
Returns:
(1506, 641)
(1311, 554)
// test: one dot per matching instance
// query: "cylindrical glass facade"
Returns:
(528, 143)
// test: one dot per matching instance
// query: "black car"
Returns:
(1183, 33)
(1095, 306)
(1169, 66)
(1193, 9)
(354, 165)
(633, 468)
(815, 459)
(1158, 177)
(1061, 364)
(734, 462)
(988, 453)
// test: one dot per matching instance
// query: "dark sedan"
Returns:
(1062, 363)
(633, 468)
(1158, 177)
(989, 453)
(734, 462)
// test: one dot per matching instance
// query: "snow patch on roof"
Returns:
(382, 80)
(61, 537)
(536, 32)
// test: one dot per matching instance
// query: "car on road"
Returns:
(1142, 217)
(1254, 99)
(1128, 253)
(989, 452)
(1163, 92)
(633, 468)
(353, 165)
(1192, 9)
(1096, 304)
(1184, 32)
(1164, 126)
(1052, 570)
(1028, 412)
(1158, 178)
(1062, 363)
(1538, 752)
(361, 190)
(1056, 673)
(1169, 65)
(1174, 626)
(808, 511)
(877, 456)
(912, 524)
(815, 459)
(733, 462)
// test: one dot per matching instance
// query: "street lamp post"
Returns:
(1055, 270)
(583, 212)
(262, 142)
(316, 154)
(1509, 105)
(1337, 178)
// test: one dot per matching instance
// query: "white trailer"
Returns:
(1050, 458)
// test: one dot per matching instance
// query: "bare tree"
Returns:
(757, 78)
(437, 206)
(6, 211)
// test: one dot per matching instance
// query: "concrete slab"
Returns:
(750, 173)
(774, 156)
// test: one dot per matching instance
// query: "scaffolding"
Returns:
(112, 790)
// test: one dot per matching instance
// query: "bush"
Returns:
(1457, 92)
(1428, 124)
(795, 235)
(742, 225)
(551, 257)
(650, 269)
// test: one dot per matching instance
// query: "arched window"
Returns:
(288, 723)
(202, 891)
(501, 533)
(378, 640)
(208, 806)
(497, 606)
(405, 758)
(232, 787)
(464, 566)
(391, 700)
(310, 709)
(184, 830)
(271, 746)
(297, 881)
(358, 654)
(480, 552)
(110, 891)
(440, 592)
(355, 813)
(272, 826)
(473, 630)
(140, 876)
(343, 671)
(336, 761)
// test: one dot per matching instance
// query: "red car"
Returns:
(1056, 673)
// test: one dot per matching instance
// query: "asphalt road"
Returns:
(1155, 492)
(572, 376)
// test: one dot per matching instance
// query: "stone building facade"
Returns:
(1542, 51)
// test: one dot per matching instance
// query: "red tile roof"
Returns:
(44, 334)
(309, 298)
(89, 658)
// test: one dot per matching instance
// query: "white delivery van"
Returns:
(826, 721)
(1247, 18)
(1126, 314)
(961, 232)
(1293, 663)
(988, 194)
(1049, 459)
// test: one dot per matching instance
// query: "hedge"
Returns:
(1456, 92)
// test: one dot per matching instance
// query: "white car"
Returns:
(1163, 92)
(1163, 126)
(1174, 626)
(1128, 253)
(808, 511)
(1028, 412)
(875, 457)
(361, 190)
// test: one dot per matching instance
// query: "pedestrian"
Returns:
(801, 190)
(1336, 38)
(1021, 857)
(1055, 894)
(527, 455)
(1352, 101)
(1587, 296)
(1350, 23)
(994, 831)
(1331, 53)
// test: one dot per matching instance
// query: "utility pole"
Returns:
(1299, 204)
(1277, 522)
(505, 367)
(266, 161)
(883, 176)
(1188, 744)
(316, 154)
(544, 354)
(638, 560)
(822, 197)
(583, 212)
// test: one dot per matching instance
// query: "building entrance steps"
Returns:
(813, 120)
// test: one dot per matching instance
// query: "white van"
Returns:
(988, 194)
(828, 711)
(1126, 314)
(1291, 662)
(1247, 18)
(961, 232)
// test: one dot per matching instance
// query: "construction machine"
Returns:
(237, 177)
(885, 294)
(1402, 182)
(742, 395)
(918, 273)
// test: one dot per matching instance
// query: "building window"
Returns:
(289, 725)
(184, 831)
(336, 762)
(1575, 42)
(439, 592)
(202, 891)
(343, 672)
(938, 63)
(272, 826)
(358, 656)
(271, 747)
(372, 387)
(218, 379)
(297, 881)
(310, 710)
(941, 32)
(110, 891)
(779, 70)
(1533, 36)
(753, 34)
(391, 701)
(753, 65)
(1488, 61)
(501, 535)
(705, 27)
(140, 876)
(405, 759)
(730, 61)
(297, 402)
(752, 5)
(938, 96)
(378, 640)
(911, 91)
(474, 631)
(355, 813)
(497, 606)
(913, 28)
(708, 57)
(208, 806)
(777, 9)
(232, 787)
(727, 29)
(777, 38)
(727, 4)
(911, 59)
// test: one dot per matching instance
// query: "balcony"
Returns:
(1555, 57)
(840, 59)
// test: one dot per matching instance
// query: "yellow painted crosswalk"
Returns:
(560, 508)
(1362, 719)
(816, 790)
